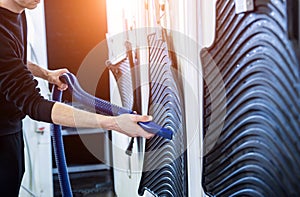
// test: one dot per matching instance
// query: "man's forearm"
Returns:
(66, 115)
(37, 71)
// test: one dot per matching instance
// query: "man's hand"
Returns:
(127, 124)
(53, 78)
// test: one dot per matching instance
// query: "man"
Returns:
(19, 96)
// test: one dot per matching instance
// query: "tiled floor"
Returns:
(88, 184)
(103, 194)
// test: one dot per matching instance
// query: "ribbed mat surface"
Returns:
(165, 161)
(251, 104)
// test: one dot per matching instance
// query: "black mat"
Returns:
(251, 102)
(165, 172)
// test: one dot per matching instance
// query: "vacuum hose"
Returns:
(101, 107)
(104, 107)
(59, 152)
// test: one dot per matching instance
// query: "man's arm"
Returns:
(63, 114)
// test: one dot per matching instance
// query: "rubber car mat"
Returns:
(164, 168)
(251, 103)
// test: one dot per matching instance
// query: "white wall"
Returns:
(208, 21)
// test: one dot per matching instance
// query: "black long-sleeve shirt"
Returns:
(19, 95)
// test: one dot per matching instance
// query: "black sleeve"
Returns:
(18, 85)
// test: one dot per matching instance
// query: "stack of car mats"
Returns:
(252, 102)
(164, 168)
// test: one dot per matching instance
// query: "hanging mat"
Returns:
(251, 103)
(164, 170)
